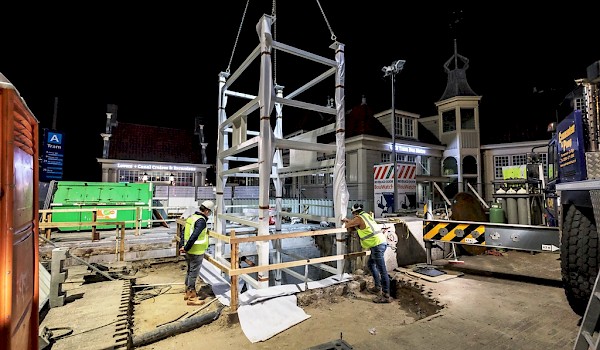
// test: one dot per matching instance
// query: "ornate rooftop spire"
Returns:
(457, 84)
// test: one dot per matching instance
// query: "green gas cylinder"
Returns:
(497, 214)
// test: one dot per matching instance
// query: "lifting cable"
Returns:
(274, 15)
(333, 37)
(237, 37)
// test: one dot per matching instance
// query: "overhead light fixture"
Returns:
(392, 70)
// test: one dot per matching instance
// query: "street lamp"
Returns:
(391, 71)
(145, 177)
(172, 179)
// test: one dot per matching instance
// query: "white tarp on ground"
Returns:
(264, 313)
(265, 319)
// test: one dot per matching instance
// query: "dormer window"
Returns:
(404, 127)
(467, 119)
(449, 120)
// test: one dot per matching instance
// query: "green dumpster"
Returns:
(113, 202)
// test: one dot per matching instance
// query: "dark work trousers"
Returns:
(194, 262)
(376, 264)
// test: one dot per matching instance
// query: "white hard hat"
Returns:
(357, 207)
(208, 205)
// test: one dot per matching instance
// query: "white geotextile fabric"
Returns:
(264, 313)
(265, 319)
(220, 286)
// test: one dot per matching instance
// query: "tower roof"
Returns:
(457, 84)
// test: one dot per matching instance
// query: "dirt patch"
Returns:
(415, 298)
(341, 308)
(412, 296)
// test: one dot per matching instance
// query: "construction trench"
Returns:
(119, 298)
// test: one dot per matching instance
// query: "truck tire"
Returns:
(579, 256)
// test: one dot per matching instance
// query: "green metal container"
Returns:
(497, 214)
(114, 202)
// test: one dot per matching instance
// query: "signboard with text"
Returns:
(383, 177)
(52, 156)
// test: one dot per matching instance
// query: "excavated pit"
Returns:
(412, 297)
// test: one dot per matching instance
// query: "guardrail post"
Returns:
(122, 243)
(95, 234)
(234, 279)
(48, 218)
(138, 220)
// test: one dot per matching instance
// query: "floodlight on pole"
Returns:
(391, 70)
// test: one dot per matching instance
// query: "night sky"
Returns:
(160, 64)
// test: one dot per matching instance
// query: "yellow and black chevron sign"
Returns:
(457, 232)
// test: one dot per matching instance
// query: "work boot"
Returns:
(374, 290)
(383, 299)
(193, 299)
(195, 302)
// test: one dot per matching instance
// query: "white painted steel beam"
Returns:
(304, 54)
(305, 105)
(304, 146)
(241, 169)
(239, 220)
(238, 72)
(245, 110)
(244, 146)
(311, 83)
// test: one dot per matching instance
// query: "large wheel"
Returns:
(579, 256)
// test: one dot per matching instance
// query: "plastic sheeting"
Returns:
(265, 312)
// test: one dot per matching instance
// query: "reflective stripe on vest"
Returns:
(201, 242)
(371, 235)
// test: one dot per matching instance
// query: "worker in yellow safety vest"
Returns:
(194, 244)
(371, 237)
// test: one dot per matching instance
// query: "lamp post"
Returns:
(391, 71)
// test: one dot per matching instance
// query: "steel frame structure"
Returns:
(267, 144)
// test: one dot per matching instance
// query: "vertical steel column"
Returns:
(340, 190)
(278, 163)
(266, 93)
(221, 166)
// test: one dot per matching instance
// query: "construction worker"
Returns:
(371, 237)
(194, 244)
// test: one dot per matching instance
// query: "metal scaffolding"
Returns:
(266, 145)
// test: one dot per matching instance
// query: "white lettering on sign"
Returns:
(184, 168)
(408, 149)
(470, 240)
(155, 167)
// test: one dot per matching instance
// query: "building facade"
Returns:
(144, 153)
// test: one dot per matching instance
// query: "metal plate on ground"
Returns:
(429, 271)
(338, 344)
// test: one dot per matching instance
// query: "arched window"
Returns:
(469, 165)
(449, 166)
